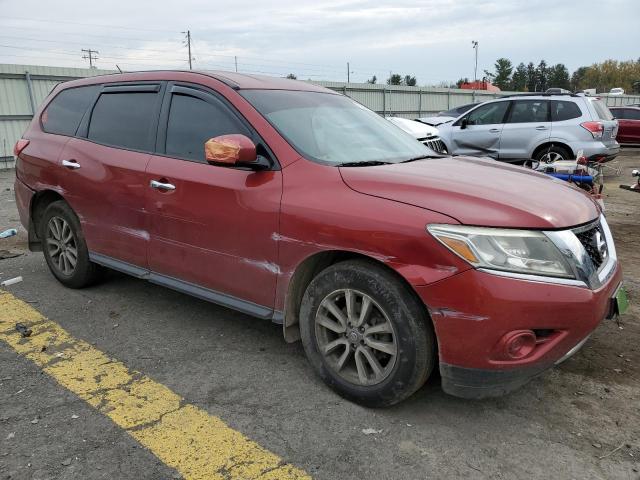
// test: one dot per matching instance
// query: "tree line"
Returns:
(537, 78)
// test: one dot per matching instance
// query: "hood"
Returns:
(477, 192)
(416, 129)
(436, 121)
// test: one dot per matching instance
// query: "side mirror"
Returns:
(234, 149)
(464, 123)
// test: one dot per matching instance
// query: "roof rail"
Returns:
(540, 94)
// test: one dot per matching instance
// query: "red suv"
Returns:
(298, 205)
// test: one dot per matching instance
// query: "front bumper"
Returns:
(473, 310)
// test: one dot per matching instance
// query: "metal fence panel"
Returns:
(387, 100)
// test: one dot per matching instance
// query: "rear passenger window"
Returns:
(62, 116)
(124, 119)
(564, 111)
(529, 111)
(618, 113)
(193, 121)
(632, 114)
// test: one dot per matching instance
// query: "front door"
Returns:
(478, 132)
(212, 226)
(528, 125)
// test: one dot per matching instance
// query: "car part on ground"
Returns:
(425, 134)
(633, 187)
(296, 204)
(544, 127)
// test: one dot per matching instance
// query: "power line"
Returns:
(86, 24)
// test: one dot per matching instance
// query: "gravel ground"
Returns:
(568, 423)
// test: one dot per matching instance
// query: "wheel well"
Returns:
(41, 200)
(307, 271)
(552, 144)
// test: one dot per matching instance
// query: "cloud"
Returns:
(430, 38)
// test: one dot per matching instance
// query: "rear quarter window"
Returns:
(64, 113)
(124, 119)
(562, 110)
(601, 109)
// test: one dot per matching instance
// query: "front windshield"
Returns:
(333, 129)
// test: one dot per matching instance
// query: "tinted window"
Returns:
(193, 121)
(564, 111)
(529, 111)
(618, 113)
(124, 119)
(488, 114)
(62, 116)
(632, 114)
(601, 109)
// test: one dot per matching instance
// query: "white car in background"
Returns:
(425, 134)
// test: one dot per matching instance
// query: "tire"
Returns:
(62, 236)
(396, 322)
(552, 154)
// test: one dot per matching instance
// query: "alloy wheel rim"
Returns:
(61, 245)
(551, 157)
(356, 337)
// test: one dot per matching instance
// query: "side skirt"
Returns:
(197, 291)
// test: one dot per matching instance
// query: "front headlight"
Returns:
(521, 251)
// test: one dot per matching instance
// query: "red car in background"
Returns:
(297, 205)
(628, 123)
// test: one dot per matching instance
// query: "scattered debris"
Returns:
(611, 452)
(34, 421)
(8, 233)
(617, 370)
(23, 330)
(11, 435)
(44, 348)
(4, 254)
(116, 325)
(370, 431)
(596, 445)
(11, 281)
(74, 416)
(66, 462)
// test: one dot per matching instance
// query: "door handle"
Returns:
(70, 164)
(161, 186)
(495, 130)
(541, 127)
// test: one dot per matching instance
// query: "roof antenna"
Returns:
(118, 68)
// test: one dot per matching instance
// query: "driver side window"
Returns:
(489, 114)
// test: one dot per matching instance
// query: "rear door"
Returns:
(481, 134)
(528, 125)
(628, 124)
(215, 227)
(105, 164)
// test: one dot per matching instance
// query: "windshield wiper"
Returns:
(368, 163)
(421, 157)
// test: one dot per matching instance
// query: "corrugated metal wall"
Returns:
(16, 81)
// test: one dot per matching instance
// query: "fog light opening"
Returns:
(519, 344)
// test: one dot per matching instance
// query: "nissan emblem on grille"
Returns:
(595, 244)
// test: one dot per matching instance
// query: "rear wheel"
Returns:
(552, 154)
(64, 247)
(366, 334)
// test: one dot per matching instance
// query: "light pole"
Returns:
(475, 70)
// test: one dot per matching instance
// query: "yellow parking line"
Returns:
(198, 445)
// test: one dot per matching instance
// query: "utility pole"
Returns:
(188, 43)
(348, 73)
(475, 70)
(91, 55)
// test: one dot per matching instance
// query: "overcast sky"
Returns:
(430, 39)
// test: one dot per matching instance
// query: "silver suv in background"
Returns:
(545, 127)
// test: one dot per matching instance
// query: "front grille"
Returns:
(594, 242)
(435, 144)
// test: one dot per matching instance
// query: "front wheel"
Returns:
(366, 334)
